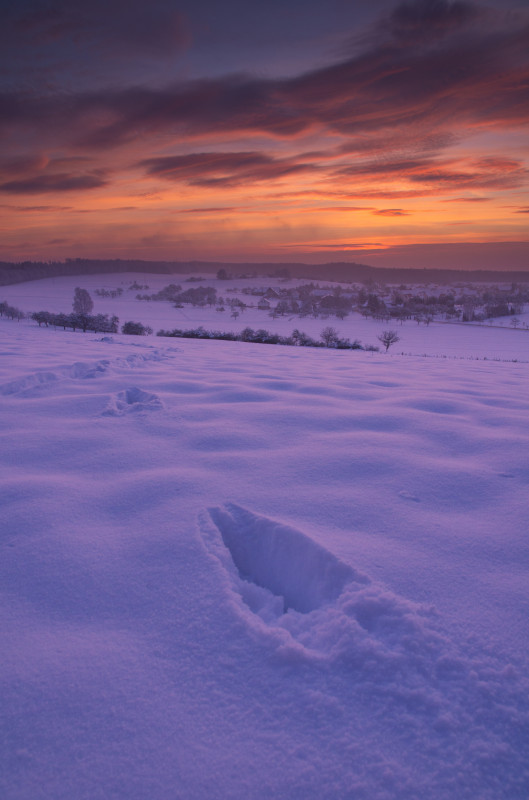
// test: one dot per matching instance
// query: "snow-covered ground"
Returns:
(234, 570)
(439, 339)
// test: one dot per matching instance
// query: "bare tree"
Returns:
(82, 302)
(330, 336)
(388, 338)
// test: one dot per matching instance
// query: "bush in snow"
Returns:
(135, 328)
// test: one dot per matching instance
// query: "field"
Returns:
(233, 570)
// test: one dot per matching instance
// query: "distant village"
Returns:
(463, 302)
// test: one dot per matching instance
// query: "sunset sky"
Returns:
(390, 133)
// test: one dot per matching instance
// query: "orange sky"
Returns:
(405, 138)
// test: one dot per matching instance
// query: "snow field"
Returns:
(439, 339)
(235, 570)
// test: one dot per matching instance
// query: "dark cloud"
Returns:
(114, 25)
(466, 199)
(487, 173)
(404, 95)
(427, 19)
(222, 169)
(213, 210)
(23, 165)
(449, 174)
(325, 209)
(336, 246)
(436, 72)
(61, 182)
(107, 210)
(391, 212)
(36, 209)
(384, 166)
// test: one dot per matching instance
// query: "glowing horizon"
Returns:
(405, 138)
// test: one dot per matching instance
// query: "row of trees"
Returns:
(99, 323)
(195, 296)
(112, 293)
(260, 336)
(11, 312)
(170, 293)
(82, 319)
(328, 338)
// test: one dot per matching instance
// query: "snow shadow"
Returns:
(307, 597)
(299, 572)
(316, 606)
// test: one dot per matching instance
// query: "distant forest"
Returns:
(333, 271)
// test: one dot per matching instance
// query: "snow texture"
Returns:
(233, 570)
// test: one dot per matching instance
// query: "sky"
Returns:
(382, 132)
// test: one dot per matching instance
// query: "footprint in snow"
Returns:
(285, 584)
(31, 385)
(132, 401)
(82, 370)
(26, 385)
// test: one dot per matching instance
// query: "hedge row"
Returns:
(261, 336)
(84, 322)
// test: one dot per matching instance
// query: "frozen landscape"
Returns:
(232, 570)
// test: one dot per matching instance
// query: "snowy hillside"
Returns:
(494, 340)
(242, 571)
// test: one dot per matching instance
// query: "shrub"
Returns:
(135, 329)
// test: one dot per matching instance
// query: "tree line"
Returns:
(328, 338)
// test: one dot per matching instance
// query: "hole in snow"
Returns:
(280, 559)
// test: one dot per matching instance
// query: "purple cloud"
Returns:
(111, 25)
(391, 212)
(222, 169)
(405, 93)
(61, 182)
(431, 74)
(431, 18)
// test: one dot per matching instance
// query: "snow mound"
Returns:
(132, 400)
